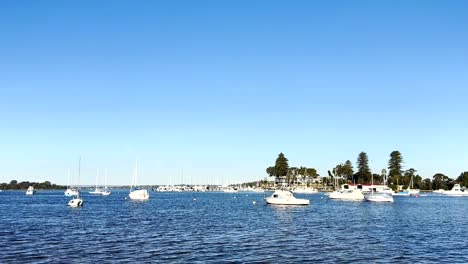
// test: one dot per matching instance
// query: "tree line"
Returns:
(344, 173)
(15, 185)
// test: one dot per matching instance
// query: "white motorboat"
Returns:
(456, 191)
(135, 192)
(30, 191)
(284, 197)
(379, 197)
(367, 188)
(306, 190)
(440, 191)
(347, 194)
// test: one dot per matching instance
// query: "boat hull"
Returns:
(347, 196)
(379, 198)
(75, 202)
(139, 195)
(71, 192)
(287, 202)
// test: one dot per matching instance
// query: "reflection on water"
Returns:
(220, 227)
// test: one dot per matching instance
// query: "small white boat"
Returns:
(284, 197)
(379, 197)
(139, 194)
(456, 191)
(307, 190)
(71, 192)
(230, 190)
(440, 191)
(105, 191)
(77, 201)
(97, 190)
(347, 194)
(135, 192)
(30, 191)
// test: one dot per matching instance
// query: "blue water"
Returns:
(229, 228)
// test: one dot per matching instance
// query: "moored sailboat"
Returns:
(135, 192)
(77, 201)
(105, 191)
(30, 191)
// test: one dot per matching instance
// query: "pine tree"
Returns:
(394, 164)
(364, 173)
(281, 165)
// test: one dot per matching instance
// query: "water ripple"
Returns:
(229, 228)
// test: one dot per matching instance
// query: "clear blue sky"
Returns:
(217, 89)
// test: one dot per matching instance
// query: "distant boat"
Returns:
(77, 201)
(230, 190)
(347, 195)
(97, 190)
(411, 191)
(135, 192)
(71, 191)
(285, 197)
(456, 191)
(379, 197)
(30, 191)
(402, 193)
(106, 191)
(306, 190)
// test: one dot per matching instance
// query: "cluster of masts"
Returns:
(134, 194)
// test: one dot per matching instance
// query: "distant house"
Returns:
(281, 181)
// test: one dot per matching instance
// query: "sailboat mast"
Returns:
(79, 174)
(105, 180)
(136, 173)
(69, 179)
(97, 177)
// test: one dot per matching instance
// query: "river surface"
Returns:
(230, 228)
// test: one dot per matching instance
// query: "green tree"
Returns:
(364, 174)
(292, 174)
(308, 174)
(271, 171)
(411, 174)
(395, 164)
(280, 169)
(348, 170)
(440, 181)
(463, 179)
(426, 185)
(281, 165)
